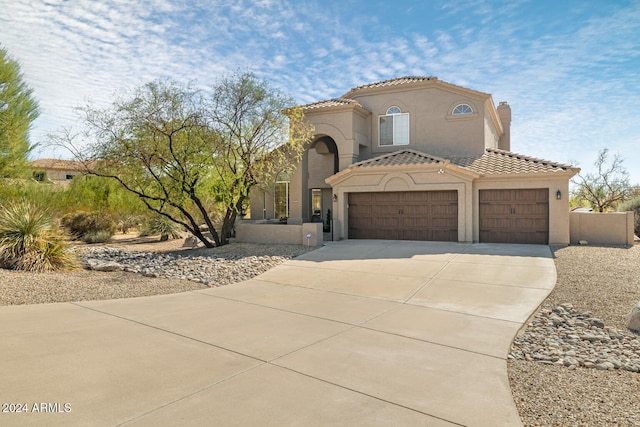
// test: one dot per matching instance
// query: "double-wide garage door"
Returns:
(514, 216)
(407, 215)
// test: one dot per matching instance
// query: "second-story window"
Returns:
(462, 109)
(394, 127)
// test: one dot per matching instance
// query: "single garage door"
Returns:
(408, 215)
(514, 216)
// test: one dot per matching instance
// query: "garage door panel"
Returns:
(533, 224)
(531, 195)
(417, 197)
(448, 210)
(390, 197)
(404, 215)
(490, 209)
(495, 196)
(415, 210)
(514, 216)
(386, 210)
(444, 235)
(386, 222)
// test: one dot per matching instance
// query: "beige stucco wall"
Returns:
(320, 167)
(279, 233)
(344, 127)
(609, 228)
(261, 204)
(432, 128)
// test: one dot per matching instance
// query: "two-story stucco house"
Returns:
(416, 158)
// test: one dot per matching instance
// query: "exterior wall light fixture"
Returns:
(558, 195)
(335, 197)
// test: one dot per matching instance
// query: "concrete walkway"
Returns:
(366, 333)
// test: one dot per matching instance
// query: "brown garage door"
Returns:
(410, 215)
(514, 216)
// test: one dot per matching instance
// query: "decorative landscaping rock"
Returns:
(191, 242)
(561, 336)
(211, 270)
(633, 319)
(102, 265)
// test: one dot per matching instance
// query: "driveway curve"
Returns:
(355, 333)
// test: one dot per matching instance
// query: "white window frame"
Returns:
(462, 111)
(397, 116)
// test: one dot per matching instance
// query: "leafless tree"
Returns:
(606, 187)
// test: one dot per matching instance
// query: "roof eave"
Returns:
(438, 167)
(428, 82)
(336, 109)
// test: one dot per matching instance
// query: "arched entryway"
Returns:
(321, 162)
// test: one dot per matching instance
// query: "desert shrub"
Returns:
(79, 224)
(31, 240)
(100, 236)
(126, 222)
(633, 205)
(159, 224)
(19, 190)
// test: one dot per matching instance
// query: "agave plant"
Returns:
(162, 225)
(31, 240)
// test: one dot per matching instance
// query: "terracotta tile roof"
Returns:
(395, 82)
(499, 162)
(57, 164)
(491, 162)
(407, 80)
(331, 103)
(404, 157)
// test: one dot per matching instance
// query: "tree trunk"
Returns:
(207, 243)
(230, 220)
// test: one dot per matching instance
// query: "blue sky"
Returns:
(570, 69)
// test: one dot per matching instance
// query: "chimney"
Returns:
(504, 114)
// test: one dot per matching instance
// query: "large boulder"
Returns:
(633, 319)
(191, 242)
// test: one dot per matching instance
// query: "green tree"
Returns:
(192, 158)
(18, 110)
(605, 188)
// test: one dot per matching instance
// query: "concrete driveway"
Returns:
(363, 333)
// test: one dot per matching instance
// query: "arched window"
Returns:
(461, 109)
(393, 110)
(393, 127)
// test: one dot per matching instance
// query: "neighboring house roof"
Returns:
(58, 164)
(491, 162)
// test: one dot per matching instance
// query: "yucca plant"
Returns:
(161, 225)
(31, 240)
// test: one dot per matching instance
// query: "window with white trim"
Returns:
(461, 109)
(393, 127)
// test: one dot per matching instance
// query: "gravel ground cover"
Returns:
(575, 363)
(148, 267)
